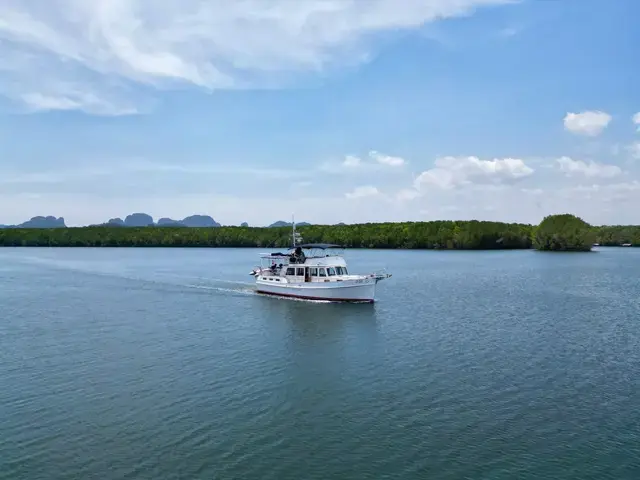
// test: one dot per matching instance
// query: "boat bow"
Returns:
(380, 275)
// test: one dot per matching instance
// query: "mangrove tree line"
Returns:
(558, 232)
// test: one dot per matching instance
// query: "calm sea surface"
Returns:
(162, 364)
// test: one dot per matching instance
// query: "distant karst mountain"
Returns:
(134, 220)
(282, 223)
(244, 224)
(199, 221)
(191, 221)
(146, 220)
(138, 220)
(169, 222)
(40, 222)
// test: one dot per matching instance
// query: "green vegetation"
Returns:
(615, 235)
(565, 232)
(439, 234)
(559, 232)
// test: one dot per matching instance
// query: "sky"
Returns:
(332, 110)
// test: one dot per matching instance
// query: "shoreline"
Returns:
(433, 235)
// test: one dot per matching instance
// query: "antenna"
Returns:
(294, 235)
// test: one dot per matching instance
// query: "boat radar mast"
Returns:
(296, 237)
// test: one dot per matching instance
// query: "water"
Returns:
(154, 363)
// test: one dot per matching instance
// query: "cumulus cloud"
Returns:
(407, 194)
(590, 123)
(364, 191)
(376, 160)
(386, 159)
(104, 47)
(624, 192)
(351, 161)
(636, 120)
(573, 167)
(451, 172)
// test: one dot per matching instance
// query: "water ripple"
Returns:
(136, 363)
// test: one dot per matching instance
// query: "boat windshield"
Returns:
(320, 250)
(341, 270)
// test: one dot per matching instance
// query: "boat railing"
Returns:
(380, 274)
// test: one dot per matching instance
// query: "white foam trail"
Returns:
(222, 280)
(243, 291)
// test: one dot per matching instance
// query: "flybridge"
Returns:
(322, 247)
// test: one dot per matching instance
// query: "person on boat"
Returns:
(300, 255)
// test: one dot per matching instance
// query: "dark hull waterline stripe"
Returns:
(325, 299)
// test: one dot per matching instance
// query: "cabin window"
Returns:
(291, 271)
(331, 271)
(314, 272)
(300, 272)
(321, 272)
(341, 270)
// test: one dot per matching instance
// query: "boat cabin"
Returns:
(319, 264)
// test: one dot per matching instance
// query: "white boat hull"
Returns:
(351, 291)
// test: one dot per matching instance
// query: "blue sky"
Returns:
(335, 110)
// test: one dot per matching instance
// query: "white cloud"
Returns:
(386, 159)
(611, 188)
(119, 168)
(451, 172)
(622, 193)
(509, 32)
(354, 163)
(75, 101)
(351, 161)
(595, 201)
(364, 191)
(104, 47)
(634, 150)
(577, 167)
(590, 123)
(636, 119)
(407, 194)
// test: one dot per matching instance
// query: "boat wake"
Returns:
(241, 291)
(163, 280)
(248, 289)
